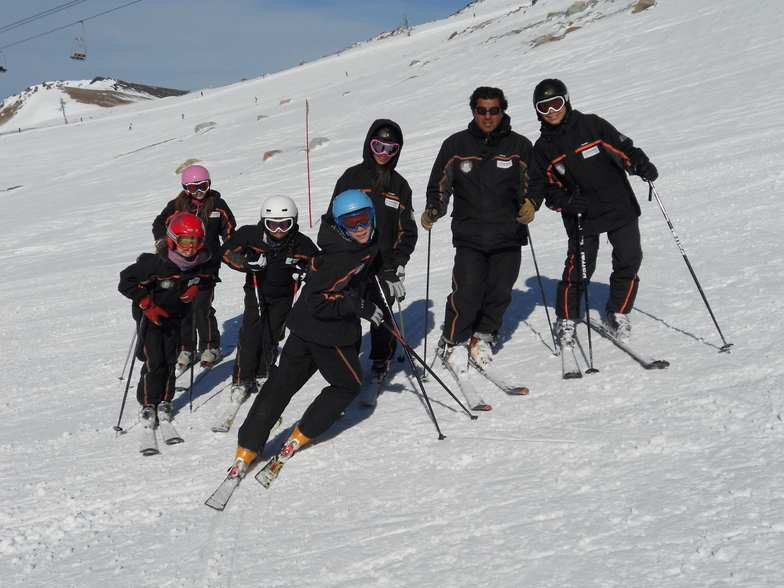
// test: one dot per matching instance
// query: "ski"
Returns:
(469, 392)
(199, 375)
(570, 369)
(223, 424)
(168, 432)
(221, 496)
(644, 360)
(491, 374)
(270, 471)
(368, 398)
(149, 444)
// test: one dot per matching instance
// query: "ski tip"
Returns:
(175, 441)
(149, 451)
(519, 391)
(572, 376)
(216, 505)
(482, 407)
(659, 364)
(220, 429)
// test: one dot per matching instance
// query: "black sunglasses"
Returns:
(481, 110)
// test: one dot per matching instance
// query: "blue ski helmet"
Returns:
(352, 209)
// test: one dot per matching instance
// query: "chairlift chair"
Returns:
(3, 65)
(78, 47)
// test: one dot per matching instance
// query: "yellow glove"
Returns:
(526, 213)
(429, 218)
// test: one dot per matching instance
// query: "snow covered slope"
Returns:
(623, 478)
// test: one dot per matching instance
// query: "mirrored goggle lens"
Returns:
(481, 110)
(189, 242)
(278, 226)
(354, 220)
(555, 104)
(197, 187)
(380, 147)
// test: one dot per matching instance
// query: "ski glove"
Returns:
(190, 293)
(365, 309)
(429, 218)
(395, 286)
(646, 170)
(577, 204)
(153, 312)
(258, 264)
(527, 212)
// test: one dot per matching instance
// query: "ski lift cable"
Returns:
(69, 25)
(35, 17)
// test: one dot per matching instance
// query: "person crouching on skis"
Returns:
(161, 286)
(274, 256)
(324, 334)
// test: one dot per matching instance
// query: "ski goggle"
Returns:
(556, 103)
(196, 187)
(278, 225)
(355, 220)
(481, 110)
(189, 242)
(382, 148)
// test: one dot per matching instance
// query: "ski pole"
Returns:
(427, 300)
(412, 354)
(127, 357)
(584, 271)
(541, 289)
(193, 354)
(139, 338)
(653, 193)
(401, 358)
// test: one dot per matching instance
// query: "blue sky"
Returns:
(191, 44)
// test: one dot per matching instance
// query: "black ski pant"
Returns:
(158, 353)
(481, 291)
(261, 330)
(207, 331)
(624, 282)
(299, 360)
(383, 342)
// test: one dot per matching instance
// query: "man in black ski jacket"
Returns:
(585, 161)
(490, 172)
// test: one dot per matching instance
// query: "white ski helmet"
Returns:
(279, 207)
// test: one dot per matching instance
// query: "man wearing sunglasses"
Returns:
(490, 173)
(585, 161)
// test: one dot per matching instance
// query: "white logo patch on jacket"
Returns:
(466, 166)
(591, 152)
(391, 203)
(503, 163)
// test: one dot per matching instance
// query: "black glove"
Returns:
(365, 309)
(577, 204)
(646, 170)
(395, 286)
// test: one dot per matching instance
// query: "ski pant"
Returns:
(206, 323)
(299, 360)
(261, 330)
(626, 261)
(382, 341)
(159, 354)
(481, 291)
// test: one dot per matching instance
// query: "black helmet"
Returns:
(549, 88)
(386, 134)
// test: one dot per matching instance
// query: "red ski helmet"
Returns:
(186, 231)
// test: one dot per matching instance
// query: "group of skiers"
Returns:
(496, 179)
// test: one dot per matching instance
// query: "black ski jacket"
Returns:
(395, 224)
(336, 283)
(275, 280)
(588, 154)
(489, 175)
(221, 223)
(164, 282)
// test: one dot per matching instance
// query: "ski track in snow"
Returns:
(623, 478)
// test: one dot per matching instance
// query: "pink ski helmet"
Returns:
(195, 174)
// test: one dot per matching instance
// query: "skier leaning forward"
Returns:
(324, 332)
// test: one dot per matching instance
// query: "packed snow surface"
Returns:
(627, 477)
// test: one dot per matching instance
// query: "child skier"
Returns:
(324, 334)
(198, 197)
(274, 256)
(161, 286)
